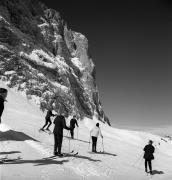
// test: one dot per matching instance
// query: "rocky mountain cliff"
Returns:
(45, 60)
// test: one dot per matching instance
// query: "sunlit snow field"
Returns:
(121, 159)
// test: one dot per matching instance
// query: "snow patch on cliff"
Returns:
(77, 63)
(42, 58)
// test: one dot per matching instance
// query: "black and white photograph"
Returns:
(85, 90)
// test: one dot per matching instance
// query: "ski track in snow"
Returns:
(121, 160)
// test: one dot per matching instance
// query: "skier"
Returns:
(60, 124)
(94, 134)
(148, 155)
(3, 95)
(47, 120)
(73, 121)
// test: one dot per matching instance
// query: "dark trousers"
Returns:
(1, 111)
(94, 143)
(46, 123)
(72, 132)
(58, 138)
(149, 163)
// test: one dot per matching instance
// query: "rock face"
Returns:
(44, 59)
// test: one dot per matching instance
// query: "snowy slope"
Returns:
(122, 159)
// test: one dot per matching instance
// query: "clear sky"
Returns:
(131, 46)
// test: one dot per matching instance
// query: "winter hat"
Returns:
(3, 90)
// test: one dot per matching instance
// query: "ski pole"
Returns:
(69, 144)
(138, 159)
(68, 139)
(68, 134)
(77, 132)
(138, 163)
(102, 145)
(89, 142)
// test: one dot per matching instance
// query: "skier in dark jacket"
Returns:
(148, 155)
(47, 120)
(3, 95)
(60, 124)
(73, 122)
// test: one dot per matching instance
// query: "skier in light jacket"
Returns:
(94, 134)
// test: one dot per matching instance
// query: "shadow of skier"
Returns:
(9, 152)
(12, 135)
(105, 153)
(83, 157)
(37, 162)
(157, 172)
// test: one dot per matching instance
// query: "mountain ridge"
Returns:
(49, 62)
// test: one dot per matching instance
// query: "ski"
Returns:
(4, 160)
(70, 154)
(6, 157)
(98, 152)
(49, 132)
(46, 131)
(56, 156)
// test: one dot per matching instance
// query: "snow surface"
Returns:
(121, 160)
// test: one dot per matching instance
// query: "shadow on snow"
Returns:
(76, 139)
(12, 135)
(9, 152)
(77, 156)
(105, 153)
(157, 172)
(37, 162)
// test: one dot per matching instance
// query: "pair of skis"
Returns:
(46, 131)
(70, 154)
(6, 159)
